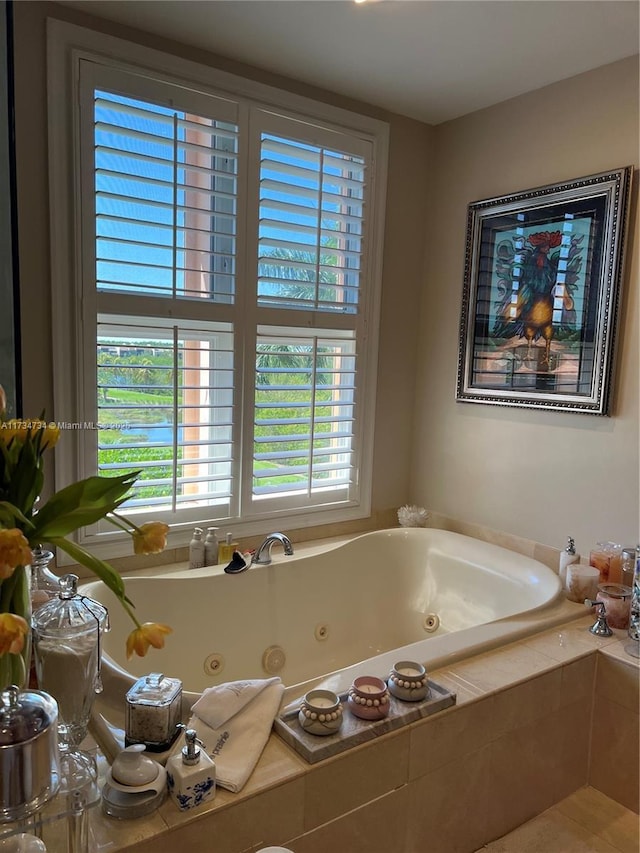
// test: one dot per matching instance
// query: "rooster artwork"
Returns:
(536, 280)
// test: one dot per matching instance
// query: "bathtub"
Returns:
(330, 613)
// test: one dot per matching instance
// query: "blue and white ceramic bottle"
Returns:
(191, 775)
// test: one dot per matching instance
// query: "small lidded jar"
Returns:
(153, 711)
(606, 558)
(627, 566)
(616, 598)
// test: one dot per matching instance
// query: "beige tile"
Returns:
(547, 555)
(274, 815)
(524, 764)
(550, 832)
(503, 668)
(520, 705)
(449, 736)
(620, 647)
(378, 826)
(578, 678)
(568, 641)
(574, 727)
(614, 752)
(618, 681)
(355, 777)
(448, 807)
(465, 692)
(605, 818)
(112, 834)
(277, 764)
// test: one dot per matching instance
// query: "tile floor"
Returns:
(585, 822)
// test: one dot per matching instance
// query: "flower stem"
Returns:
(121, 518)
(130, 612)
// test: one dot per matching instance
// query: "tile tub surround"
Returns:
(524, 720)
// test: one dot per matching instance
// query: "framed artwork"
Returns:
(541, 286)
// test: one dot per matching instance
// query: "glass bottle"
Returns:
(44, 584)
(67, 634)
(602, 557)
(634, 618)
(627, 566)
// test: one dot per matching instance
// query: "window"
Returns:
(226, 292)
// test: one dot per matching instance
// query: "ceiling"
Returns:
(432, 61)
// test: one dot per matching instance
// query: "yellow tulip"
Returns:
(13, 429)
(149, 634)
(14, 551)
(22, 429)
(150, 538)
(51, 434)
(13, 630)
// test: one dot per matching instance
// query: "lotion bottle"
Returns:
(226, 549)
(567, 557)
(191, 775)
(211, 547)
(196, 550)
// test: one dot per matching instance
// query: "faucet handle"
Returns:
(600, 627)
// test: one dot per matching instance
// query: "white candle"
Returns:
(369, 688)
(410, 671)
(320, 702)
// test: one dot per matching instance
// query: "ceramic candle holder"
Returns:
(368, 698)
(408, 681)
(320, 712)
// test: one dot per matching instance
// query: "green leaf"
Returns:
(8, 510)
(107, 574)
(82, 503)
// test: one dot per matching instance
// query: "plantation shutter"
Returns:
(311, 218)
(226, 308)
(165, 189)
(165, 196)
(310, 259)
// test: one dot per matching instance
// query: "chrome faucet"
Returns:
(262, 557)
(601, 627)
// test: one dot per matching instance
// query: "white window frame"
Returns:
(67, 46)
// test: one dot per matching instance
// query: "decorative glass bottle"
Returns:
(67, 633)
(634, 619)
(44, 584)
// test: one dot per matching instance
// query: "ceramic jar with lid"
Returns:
(29, 757)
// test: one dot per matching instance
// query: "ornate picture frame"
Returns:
(542, 280)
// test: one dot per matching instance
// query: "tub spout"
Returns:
(262, 557)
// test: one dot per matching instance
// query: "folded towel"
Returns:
(218, 704)
(234, 721)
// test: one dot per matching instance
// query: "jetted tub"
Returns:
(328, 614)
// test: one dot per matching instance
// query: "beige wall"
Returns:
(532, 473)
(403, 247)
(535, 474)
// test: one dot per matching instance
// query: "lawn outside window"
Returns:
(225, 293)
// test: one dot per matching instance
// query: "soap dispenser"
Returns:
(211, 547)
(567, 558)
(196, 549)
(191, 775)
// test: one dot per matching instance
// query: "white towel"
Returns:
(234, 721)
(218, 704)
